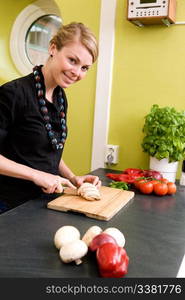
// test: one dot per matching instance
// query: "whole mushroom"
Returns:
(90, 234)
(73, 251)
(65, 235)
(116, 234)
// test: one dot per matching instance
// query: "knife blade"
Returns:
(70, 191)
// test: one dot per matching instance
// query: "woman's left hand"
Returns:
(78, 180)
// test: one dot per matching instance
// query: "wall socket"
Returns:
(111, 154)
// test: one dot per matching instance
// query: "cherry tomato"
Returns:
(154, 181)
(164, 180)
(171, 188)
(160, 189)
(137, 182)
(146, 187)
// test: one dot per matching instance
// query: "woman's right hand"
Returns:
(50, 183)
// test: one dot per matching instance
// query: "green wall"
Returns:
(9, 10)
(149, 67)
(81, 96)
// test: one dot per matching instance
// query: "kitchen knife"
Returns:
(70, 191)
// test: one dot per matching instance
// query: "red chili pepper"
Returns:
(112, 260)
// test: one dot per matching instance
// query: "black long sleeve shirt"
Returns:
(23, 136)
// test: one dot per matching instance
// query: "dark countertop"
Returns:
(154, 229)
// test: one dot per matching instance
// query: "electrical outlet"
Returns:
(111, 154)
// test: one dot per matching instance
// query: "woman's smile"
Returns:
(68, 79)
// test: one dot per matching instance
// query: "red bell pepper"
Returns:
(133, 171)
(129, 175)
(112, 260)
(116, 177)
(101, 239)
(128, 178)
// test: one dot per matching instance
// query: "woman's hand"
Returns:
(50, 183)
(78, 180)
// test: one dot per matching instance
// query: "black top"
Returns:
(23, 136)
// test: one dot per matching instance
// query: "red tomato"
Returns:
(164, 180)
(146, 187)
(138, 181)
(171, 188)
(154, 181)
(160, 189)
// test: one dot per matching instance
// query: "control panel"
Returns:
(151, 11)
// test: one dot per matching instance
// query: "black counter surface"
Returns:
(154, 229)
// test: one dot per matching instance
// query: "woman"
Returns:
(33, 126)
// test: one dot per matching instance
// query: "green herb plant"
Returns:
(119, 185)
(164, 130)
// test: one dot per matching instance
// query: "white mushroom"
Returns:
(73, 251)
(90, 234)
(117, 234)
(89, 191)
(65, 235)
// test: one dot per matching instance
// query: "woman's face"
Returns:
(70, 64)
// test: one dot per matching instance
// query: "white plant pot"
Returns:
(168, 170)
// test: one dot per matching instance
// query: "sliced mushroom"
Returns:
(89, 191)
(73, 251)
(65, 235)
(90, 234)
(117, 234)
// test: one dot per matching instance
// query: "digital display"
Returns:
(147, 1)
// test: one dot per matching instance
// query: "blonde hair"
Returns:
(76, 31)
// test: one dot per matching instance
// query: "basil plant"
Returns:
(164, 130)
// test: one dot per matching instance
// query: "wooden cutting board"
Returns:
(112, 200)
